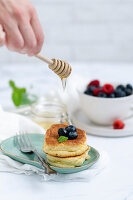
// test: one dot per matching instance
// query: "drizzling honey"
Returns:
(64, 81)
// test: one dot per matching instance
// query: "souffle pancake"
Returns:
(66, 154)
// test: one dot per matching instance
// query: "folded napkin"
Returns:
(10, 124)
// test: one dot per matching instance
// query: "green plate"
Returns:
(10, 148)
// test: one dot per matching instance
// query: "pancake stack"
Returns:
(68, 154)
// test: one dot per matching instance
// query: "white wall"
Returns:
(83, 30)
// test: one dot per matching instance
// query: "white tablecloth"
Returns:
(114, 183)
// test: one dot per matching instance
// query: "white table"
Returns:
(114, 183)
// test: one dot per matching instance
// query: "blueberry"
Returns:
(99, 87)
(128, 91)
(120, 93)
(102, 94)
(72, 135)
(70, 128)
(91, 88)
(88, 93)
(111, 95)
(129, 86)
(62, 132)
(121, 87)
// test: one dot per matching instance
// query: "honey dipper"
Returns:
(60, 67)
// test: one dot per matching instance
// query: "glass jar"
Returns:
(46, 113)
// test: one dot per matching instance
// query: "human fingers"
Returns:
(28, 37)
(36, 26)
(14, 39)
(2, 36)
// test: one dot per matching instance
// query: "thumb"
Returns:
(2, 36)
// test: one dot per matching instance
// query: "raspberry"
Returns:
(108, 89)
(94, 83)
(118, 124)
(96, 91)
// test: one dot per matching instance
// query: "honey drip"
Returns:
(64, 82)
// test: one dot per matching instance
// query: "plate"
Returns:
(10, 148)
(80, 120)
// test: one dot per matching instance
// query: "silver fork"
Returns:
(26, 146)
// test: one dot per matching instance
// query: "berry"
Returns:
(129, 86)
(111, 95)
(90, 93)
(72, 135)
(118, 124)
(128, 91)
(70, 128)
(121, 87)
(96, 91)
(91, 88)
(94, 83)
(87, 92)
(120, 93)
(62, 132)
(102, 94)
(108, 88)
(99, 86)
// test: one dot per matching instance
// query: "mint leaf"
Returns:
(20, 96)
(12, 84)
(22, 90)
(62, 139)
(16, 97)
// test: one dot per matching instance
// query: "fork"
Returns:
(26, 146)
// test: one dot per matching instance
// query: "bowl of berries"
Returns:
(105, 103)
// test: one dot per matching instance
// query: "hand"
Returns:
(20, 29)
(2, 36)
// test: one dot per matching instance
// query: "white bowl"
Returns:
(104, 111)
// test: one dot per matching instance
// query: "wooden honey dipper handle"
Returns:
(43, 58)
